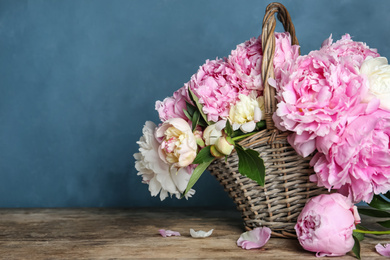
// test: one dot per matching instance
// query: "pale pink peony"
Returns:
(359, 163)
(346, 47)
(317, 96)
(172, 107)
(178, 145)
(325, 225)
(247, 59)
(217, 87)
(161, 177)
(255, 238)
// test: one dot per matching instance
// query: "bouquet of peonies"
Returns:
(334, 102)
(220, 105)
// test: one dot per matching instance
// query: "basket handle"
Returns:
(268, 46)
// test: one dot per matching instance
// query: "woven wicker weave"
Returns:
(287, 186)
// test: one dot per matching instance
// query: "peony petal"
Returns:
(200, 233)
(220, 125)
(255, 238)
(248, 127)
(168, 233)
(383, 249)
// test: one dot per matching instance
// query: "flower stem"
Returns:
(243, 136)
(372, 232)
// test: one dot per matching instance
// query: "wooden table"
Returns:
(94, 233)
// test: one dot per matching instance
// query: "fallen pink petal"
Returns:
(255, 238)
(383, 249)
(168, 233)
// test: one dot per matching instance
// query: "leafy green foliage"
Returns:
(250, 164)
(385, 224)
(380, 203)
(196, 175)
(374, 213)
(199, 106)
(204, 155)
(356, 247)
(193, 114)
(229, 129)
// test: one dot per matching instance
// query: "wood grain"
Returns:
(95, 233)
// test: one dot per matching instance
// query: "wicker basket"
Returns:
(287, 186)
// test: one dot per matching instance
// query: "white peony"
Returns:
(377, 71)
(247, 112)
(161, 177)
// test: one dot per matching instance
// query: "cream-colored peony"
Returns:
(377, 71)
(178, 144)
(247, 112)
(161, 177)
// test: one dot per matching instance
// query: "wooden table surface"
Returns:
(95, 233)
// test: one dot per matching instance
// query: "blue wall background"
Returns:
(78, 79)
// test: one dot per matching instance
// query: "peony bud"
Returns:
(198, 138)
(326, 224)
(224, 145)
(211, 134)
(214, 152)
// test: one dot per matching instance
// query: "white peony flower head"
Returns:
(161, 177)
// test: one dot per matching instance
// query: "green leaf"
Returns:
(191, 108)
(204, 155)
(379, 202)
(187, 114)
(228, 128)
(195, 119)
(356, 247)
(195, 99)
(260, 125)
(387, 194)
(358, 226)
(250, 164)
(359, 236)
(374, 213)
(196, 175)
(385, 224)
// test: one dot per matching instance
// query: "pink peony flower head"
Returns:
(359, 163)
(325, 225)
(217, 87)
(172, 107)
(247, 59)
(320, 93)
(346, 47)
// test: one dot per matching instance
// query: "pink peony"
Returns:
(325, 225)
(172, 107)
(346, 47)
(319, 93)
(359, 163)
(217, 87)
(247, 58)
